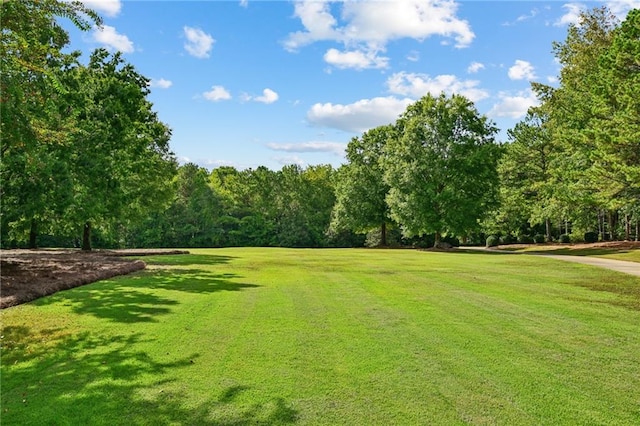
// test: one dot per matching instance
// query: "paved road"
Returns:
(632, 268)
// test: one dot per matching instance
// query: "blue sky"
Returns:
(250, 83)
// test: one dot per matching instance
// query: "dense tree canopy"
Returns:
(441, 167)
(360, 188)
(35, 123)
(81, 144)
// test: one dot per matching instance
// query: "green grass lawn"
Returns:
(335, 337)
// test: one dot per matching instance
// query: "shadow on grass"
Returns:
(466, 250)
(188, 260)
(580, 252)
(91, 379)
(134, 299)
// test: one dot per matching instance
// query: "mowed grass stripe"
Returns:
(276, 336)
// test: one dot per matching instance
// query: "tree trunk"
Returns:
(627, 228)
(86, 237)
(601, 225)
(436, 244)
(33, 234)
(612, 236)
(547, 224)
(383, 234)
(637, 229)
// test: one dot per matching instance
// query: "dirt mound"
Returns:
(26, 275)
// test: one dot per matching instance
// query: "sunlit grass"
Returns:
(278, 336)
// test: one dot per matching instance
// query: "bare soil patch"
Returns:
(26, 275)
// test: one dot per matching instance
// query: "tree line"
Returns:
(573, 164)
(86, 161)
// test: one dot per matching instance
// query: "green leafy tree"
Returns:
(527, 189)
(120, 155)
(580, 186)
(360, 188)
(615, 126)
(34, 120)
(441, 168)
(318, 197)
(194, 210)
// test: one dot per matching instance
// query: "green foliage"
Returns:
(493, 241)
(525, 239)
(36, 121)
(539, 239)
(441, 167)
(81, 147)
(359, 185)
(564, 238)
(591, 237)
(577, 154)
(508, 239)
(122, 163)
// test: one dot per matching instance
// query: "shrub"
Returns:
(590, 237)
(525, 239)
(538, 238)
(565, 239)
(454, 241)
(493, 240)
(508, 239)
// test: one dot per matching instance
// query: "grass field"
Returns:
(335, 337)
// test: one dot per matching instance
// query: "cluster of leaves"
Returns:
(81, 144)
(574, 161)
(227, 207)
(432, 172)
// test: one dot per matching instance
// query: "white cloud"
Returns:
(552, 79)
(244, 3)
(110, 8)
(474, 67)
(370, 25)
(522, 70)
(268, 97)
(109, 37)
(217, 93)
(621, 8)
(198, 43)
(359, 116)
(161, 83)
(522, 18)
(572, 16)
(318, 22)
(514, 106)
(355, 59)
(413, 56)
(418, 85)
(290, 159)
(331, 147)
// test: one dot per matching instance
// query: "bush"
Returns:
(590, 237)
(454, 241)
(508, 239)
(493, 240)
(525, 239)
(565, 239)
(539, 238)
